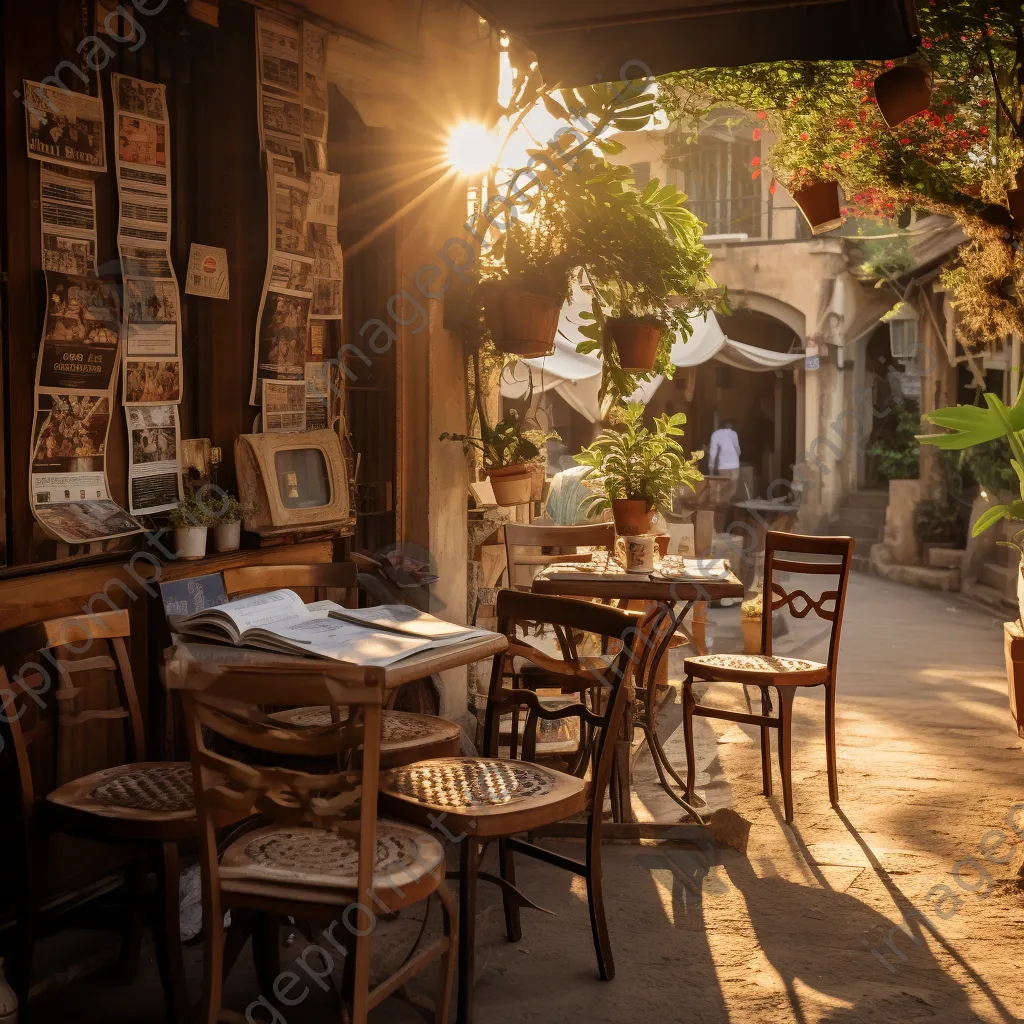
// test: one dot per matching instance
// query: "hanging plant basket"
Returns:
(820, 204)
(633, 516)
(637, 342)
(512, 485)
(902, 93)
(521, 322)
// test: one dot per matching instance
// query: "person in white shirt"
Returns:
(724, 459)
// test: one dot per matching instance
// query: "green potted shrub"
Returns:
(507, 452)
(226, 512)
(191, 521)
(971, 426)
(751, 612)
(639, 469)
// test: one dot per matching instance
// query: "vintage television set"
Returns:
(293, 483)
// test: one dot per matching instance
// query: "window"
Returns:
(717, 178)
(642, 174)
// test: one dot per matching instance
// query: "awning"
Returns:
(610, 40)
(577, 378)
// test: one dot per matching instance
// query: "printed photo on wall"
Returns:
(289, 197)
(85, 521)
(70, 433)
(152, 382)
(282, 340)
(140, 141)
(64, 127)
(154, 475)
(284, 406)
(133, 96)
(151, 301)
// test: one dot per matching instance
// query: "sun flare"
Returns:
(472, 148)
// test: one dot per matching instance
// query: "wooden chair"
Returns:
(407, 736)
(487, 798)
(787, 675)
(321, 855)
(565, 539)
(145, 807)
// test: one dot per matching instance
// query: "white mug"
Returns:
(638, 552)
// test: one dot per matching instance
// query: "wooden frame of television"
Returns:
(259, 491)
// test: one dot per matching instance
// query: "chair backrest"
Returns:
(309, 581)
(226, 704)
(828, 604)
(565, 539)
(40, 701)
(615, 684)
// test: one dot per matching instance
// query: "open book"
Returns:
(402, 620)
(280, 621)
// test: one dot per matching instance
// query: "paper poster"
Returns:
(318, 393)
(207, 272)
(152, 304)
(284, 406)
(324, 194)
(75, 370)
(154, 470)
(65, 128)
(279, 71)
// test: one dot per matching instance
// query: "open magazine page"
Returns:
(412, 621)
(277, 607)
(345, 641)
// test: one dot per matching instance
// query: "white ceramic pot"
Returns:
(8, 1000)
(190, 541)
(227, 536)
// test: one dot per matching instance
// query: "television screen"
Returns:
(303, 480)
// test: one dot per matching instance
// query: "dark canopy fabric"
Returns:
(579, 42)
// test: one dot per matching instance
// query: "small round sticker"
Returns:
(209, 264)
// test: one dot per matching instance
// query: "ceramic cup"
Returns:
(638, 552)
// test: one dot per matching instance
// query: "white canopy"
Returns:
(577, 378)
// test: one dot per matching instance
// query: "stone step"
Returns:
(946, 558)
(1001, 578)
(923, 576)
(991, 598)
(861, 563)
(867, 499)
(863, 536)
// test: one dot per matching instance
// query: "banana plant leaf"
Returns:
(972, 425)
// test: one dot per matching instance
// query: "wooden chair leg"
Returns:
(595, 897)
(786, 695)
(266, 951)
(691, 757)
(135, 886)
(468, 868)
(507, 866)
(830, 744)
(451, 957)
(27, 924)
(766, 742)
(167, 934)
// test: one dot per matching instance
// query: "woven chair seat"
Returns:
(757, 668)
(155, 792)
(321, 866)
(405, 736)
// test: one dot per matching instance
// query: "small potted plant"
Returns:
(639, 469)
(507, 453)
(191, 521)
(226, 511)
(750, 621)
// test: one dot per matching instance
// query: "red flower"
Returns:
(804, 136)
(949, 118)
(773, 187)
(904, 141)
(983, 130)
(755, 162)
(757, 134)
(761, 115)
(755, 175)
(845, 156)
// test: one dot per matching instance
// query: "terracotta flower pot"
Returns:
(633, 516)
(521, 322)
(1015, 200)
(820, 204)
(751, 634)
(512, 485)
(902, 93)
(636, 341)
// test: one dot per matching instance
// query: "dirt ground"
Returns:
(904, 906)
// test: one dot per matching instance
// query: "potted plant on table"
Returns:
(639, 469)
(226, 512)
(750, 622)
(191, 521)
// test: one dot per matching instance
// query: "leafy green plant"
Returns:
(895, 455)
(989, 465)
(753, 607)
(938, 522)
(970, 426)
(223, 507)
(638, 463)
(504, 444)
(191, 512)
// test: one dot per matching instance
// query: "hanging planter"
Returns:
(512, 485)
(637, 342)
(521, 322)
(820, 204)
(902, 93)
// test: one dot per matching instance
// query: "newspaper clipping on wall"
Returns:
(208, 272)
(64, 127)
(154, 470)
(284, 406)
(152, 306)
(305, 267)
